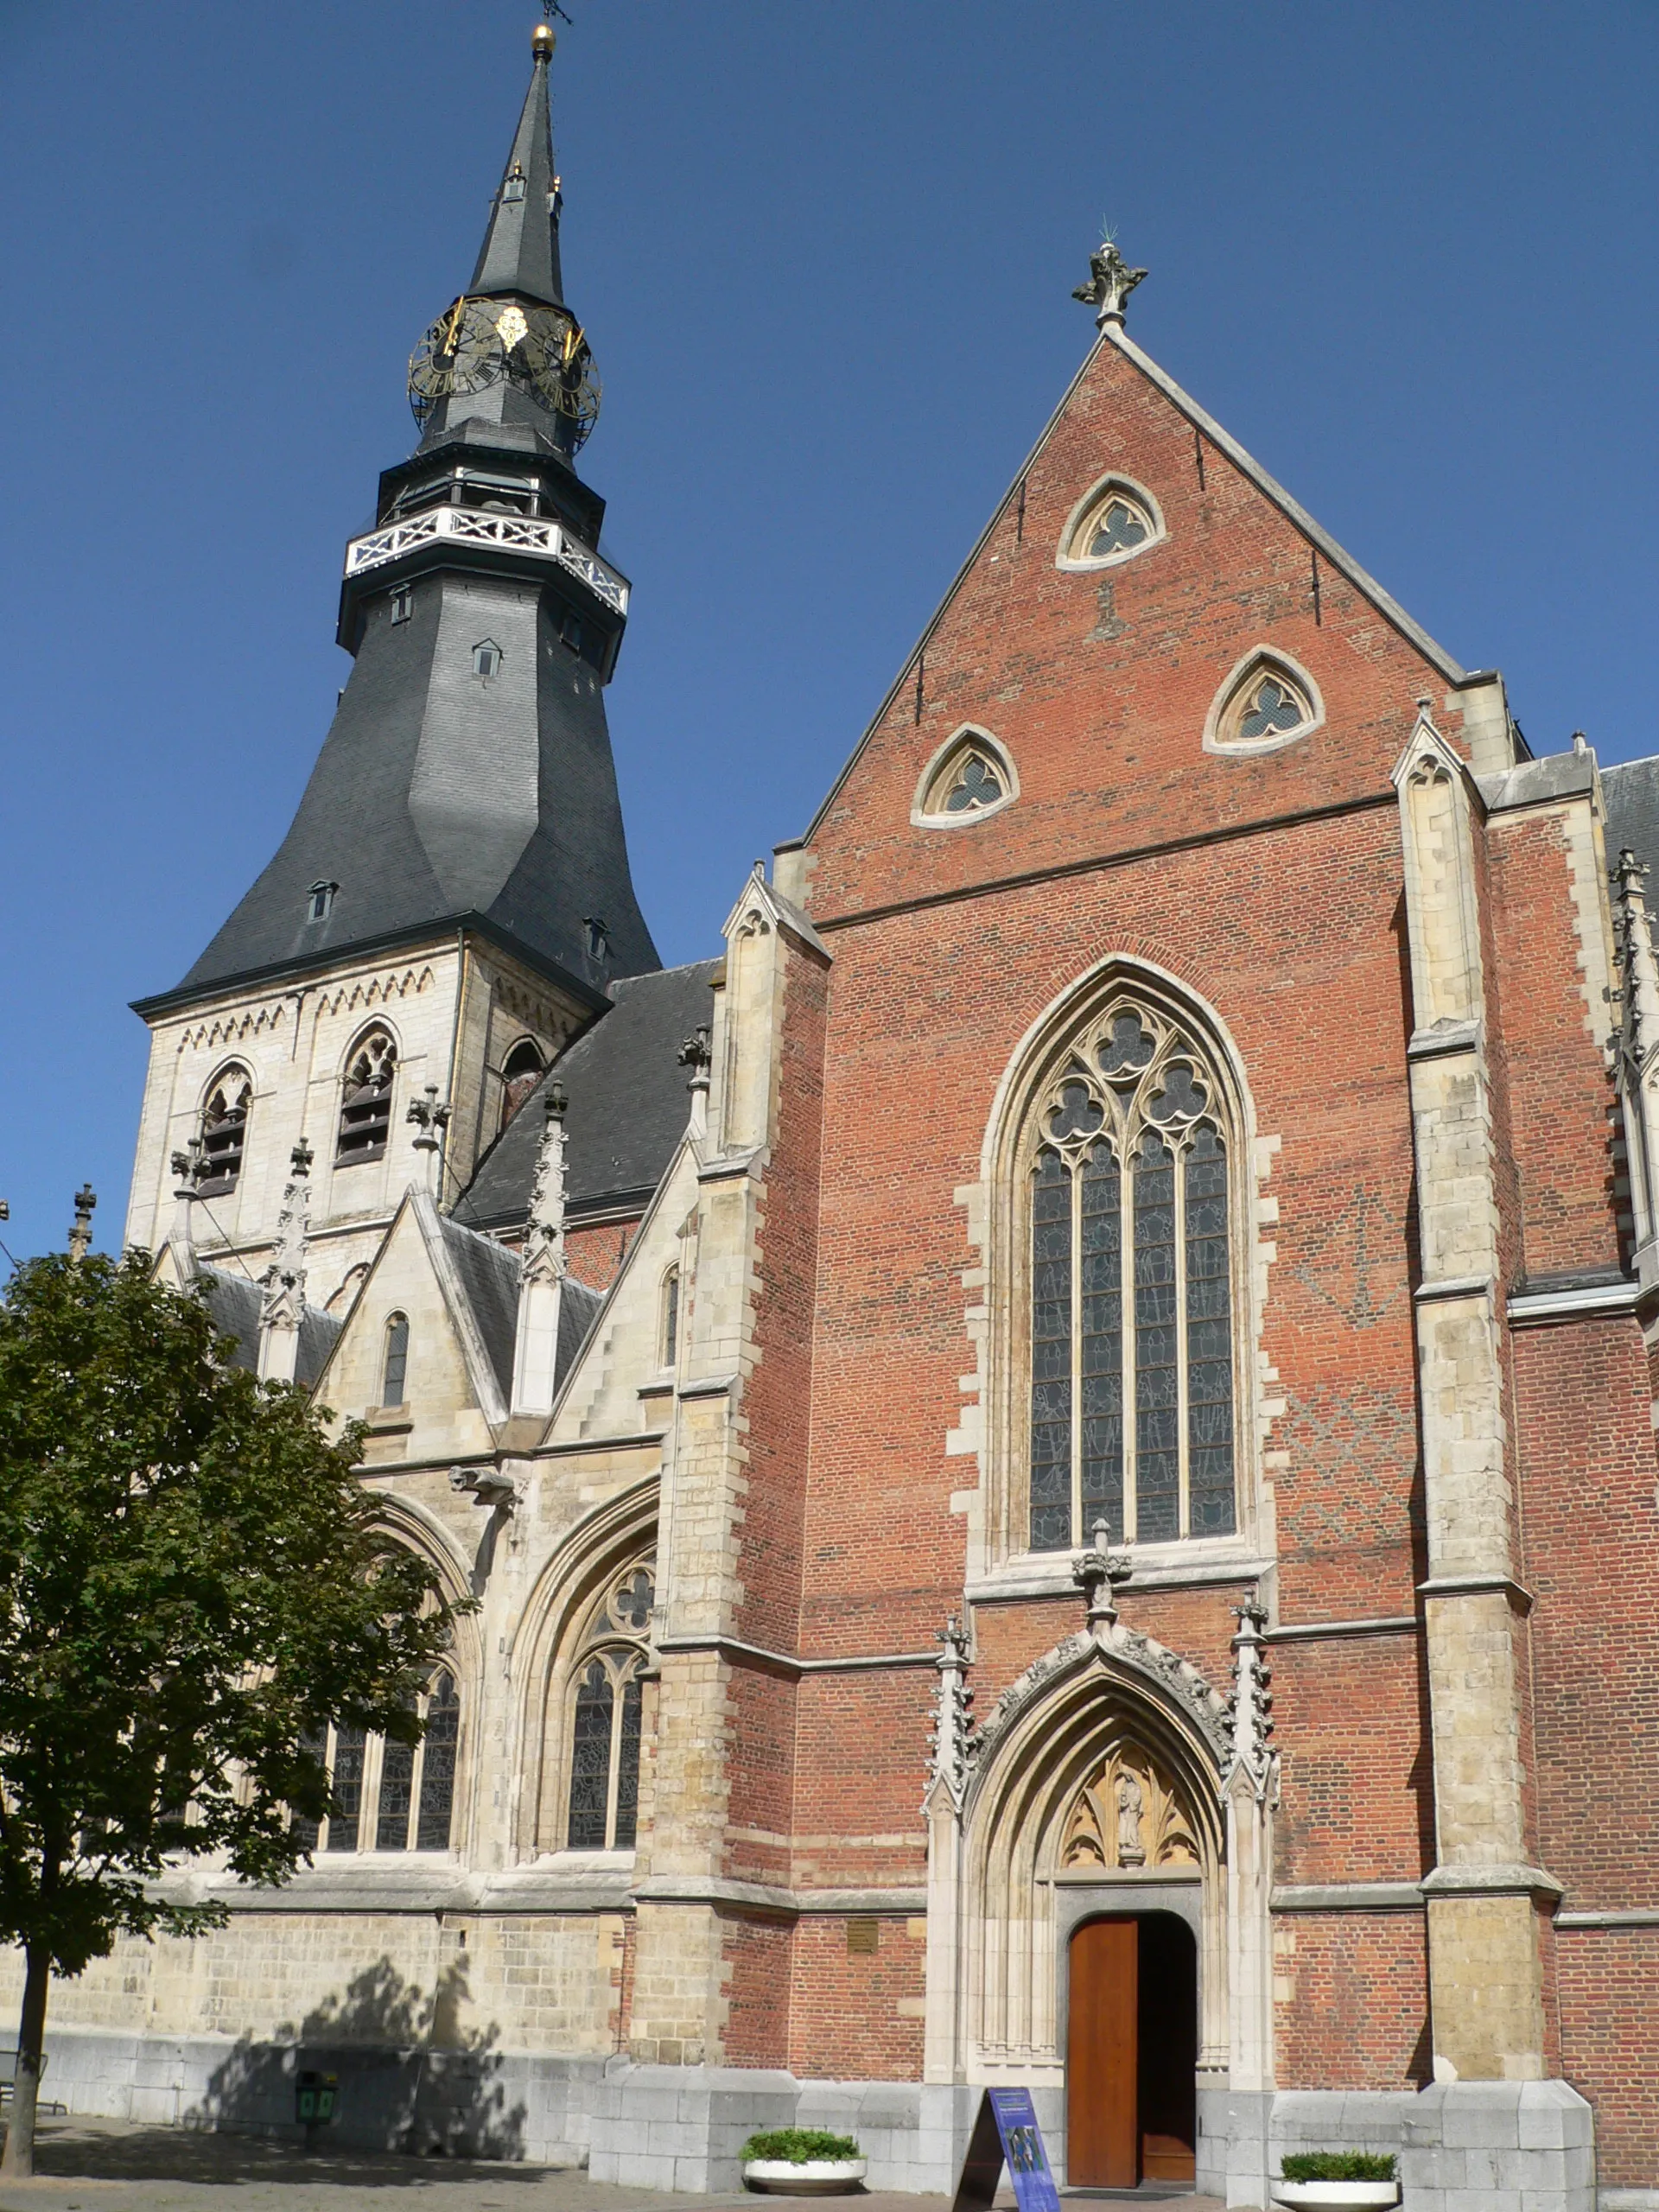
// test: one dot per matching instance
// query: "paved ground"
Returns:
(107, 2165)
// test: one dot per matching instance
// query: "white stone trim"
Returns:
(1566, 1305)
(1266, 658)
(966, 737)
(1097, 496)
(544, 540)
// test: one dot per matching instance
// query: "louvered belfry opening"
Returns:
(365, 1106)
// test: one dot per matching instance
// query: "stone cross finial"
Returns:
(80, 1236)
(1250, 1705)
(1110, 281)
(953, 1745)
(1097, 1572)
(432, 1114)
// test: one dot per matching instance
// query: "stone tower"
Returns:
(453, 899)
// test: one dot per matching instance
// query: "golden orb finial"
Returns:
(542, 41)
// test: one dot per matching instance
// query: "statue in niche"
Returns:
(1131, 1802)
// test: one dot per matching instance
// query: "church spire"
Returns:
(520, 253)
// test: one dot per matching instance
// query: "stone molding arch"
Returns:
(1032, 1067)
(1090, 1705)
(539, 1647)
(419, 1531)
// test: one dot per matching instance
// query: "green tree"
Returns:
(191, 1588)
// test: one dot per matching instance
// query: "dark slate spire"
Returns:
(468, 778)
(520, 253)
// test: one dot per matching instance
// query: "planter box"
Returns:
(810, 2178)
(1336, 2196)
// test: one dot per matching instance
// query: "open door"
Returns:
(1132, 2047)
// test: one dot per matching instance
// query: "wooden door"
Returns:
(1103, 2130)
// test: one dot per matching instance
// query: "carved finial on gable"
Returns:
(1097, 1572)
(1110, 281)
(1250, 1705)
(954, 1744)
(189, 1167)
(696, 1054)
(282, 1302)
(543, 1255)
(431, 1114)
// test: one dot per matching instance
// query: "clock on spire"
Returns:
(510, 338)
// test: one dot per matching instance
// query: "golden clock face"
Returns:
(476, 342)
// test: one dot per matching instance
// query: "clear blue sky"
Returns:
(1405, 252)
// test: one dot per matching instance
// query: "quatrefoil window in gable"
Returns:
(1266, 702)
(971, 777)
(1112, 522)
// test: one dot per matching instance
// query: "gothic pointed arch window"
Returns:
(389, 1796)
(521, 1070)
(1268, 701)
(604, 1711)
(365, 1100)
(394, 1366)
(1133, 1293)
(1115, 520)
(224, 1112)
(972, 775)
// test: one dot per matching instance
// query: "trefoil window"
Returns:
(605, 1717)
(972, 777)
(1116, 521)
(365, 1101)
(1132, 1346)
(225, 1132)
(1265, 703)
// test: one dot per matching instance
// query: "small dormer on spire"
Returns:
(1110, 281)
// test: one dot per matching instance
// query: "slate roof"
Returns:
(233, 1302)
(1630, 791)
(487, 1274)
(628, 1105)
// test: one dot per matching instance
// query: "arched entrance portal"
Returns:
(1131, 2051)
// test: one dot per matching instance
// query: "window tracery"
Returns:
(971, 776)
(391, 1796)
(1111, 523)
(1265, 703)
(224, 1131)
(365, 1101)
(605, 1715)
(1132, 1326)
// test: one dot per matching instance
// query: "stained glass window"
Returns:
(397, 1796)
(438, 1749)
(1118, 528)
(1132, 1342)
(606, 1715)
(350, 1743)
(976, 784)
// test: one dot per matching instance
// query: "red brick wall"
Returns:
(1608, 1983)
(1350, 1719)
(594, 1255)
(1352, 2008)
(844, 2017)
(1559, 1095)
(756, 1970)
(1591, 1518)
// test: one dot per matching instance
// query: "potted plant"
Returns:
(1338, 2180)
(802, 2162)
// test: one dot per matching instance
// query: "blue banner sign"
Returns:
(1007, 2130)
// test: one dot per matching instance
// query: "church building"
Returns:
(1156, 1196)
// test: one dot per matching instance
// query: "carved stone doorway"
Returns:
(1132, 2048)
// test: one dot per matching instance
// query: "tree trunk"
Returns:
(18, 2159)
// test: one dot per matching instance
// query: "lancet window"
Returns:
(224, 1131)
(394, 1368)
(365, 1101)
(521, 1071)
(391, 1796)
(1133, 1333)
(605, 1716)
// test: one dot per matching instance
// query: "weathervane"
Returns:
(1110, 281)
